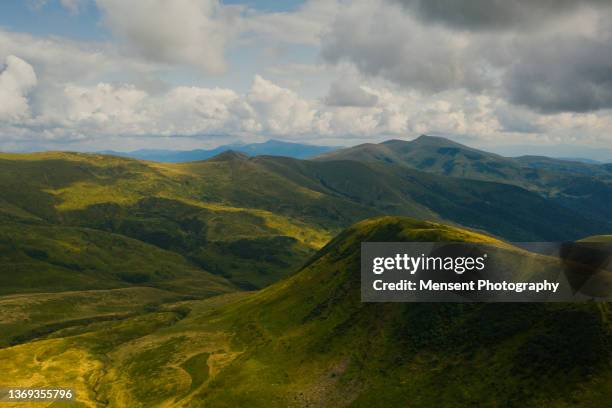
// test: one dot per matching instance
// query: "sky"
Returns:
(113, 74)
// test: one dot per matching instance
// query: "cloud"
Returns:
(16, 81)
(279, 110)
(561, 64)
(92, 115)
(387, 68)
(302, 26)
(193, 32)
(494, 15)
(381, 40)
(348, 92)
(562, 75)
(59, 60)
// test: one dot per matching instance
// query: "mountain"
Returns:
(310, 341)
(270, 147)
(568, 166)
(140, 284)
(585, 188)
(443, 156)
(501, 209)
(576, 152)
(581, 160)
(192, 210)
(249, 220)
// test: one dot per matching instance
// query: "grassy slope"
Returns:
(505, 210)
(584, 188)
(254, 221)
(39, 258)
(441, 156)
(171, 207)
(26, 317)
(309, 341)
(317, 344)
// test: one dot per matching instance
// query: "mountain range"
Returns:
(221, 214)
(234, 281)
(583, 187)
(271, 147)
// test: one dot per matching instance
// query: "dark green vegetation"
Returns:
(42, 258)
(584, 188)
(309, 341)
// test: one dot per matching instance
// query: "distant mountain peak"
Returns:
(392, 141)
(229, 155)
(423, 140)
(435, 141)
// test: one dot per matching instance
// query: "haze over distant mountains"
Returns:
(274, 147)
(270, 147)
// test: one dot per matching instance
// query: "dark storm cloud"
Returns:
(563, 64)
(492, 14)
(564, 74)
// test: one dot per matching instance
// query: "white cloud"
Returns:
(91, 114)
(59, 60)
(193, 32)
(279, 110)
(16, 81)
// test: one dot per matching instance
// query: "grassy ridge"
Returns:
(256, 220)
(170, 207)
(583, 188)
(309, 341)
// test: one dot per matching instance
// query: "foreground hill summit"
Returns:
(308, 341)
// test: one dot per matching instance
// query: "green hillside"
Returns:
(42, 258)
(441, 156)
(584, 188)
(309, 341)
(505, 210)
(172, 207)
(252, 221)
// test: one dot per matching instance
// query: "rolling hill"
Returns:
(43, 258)
(255, 220)
(309, 341)
(443, 156)
(585, 188)
(170, 207)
